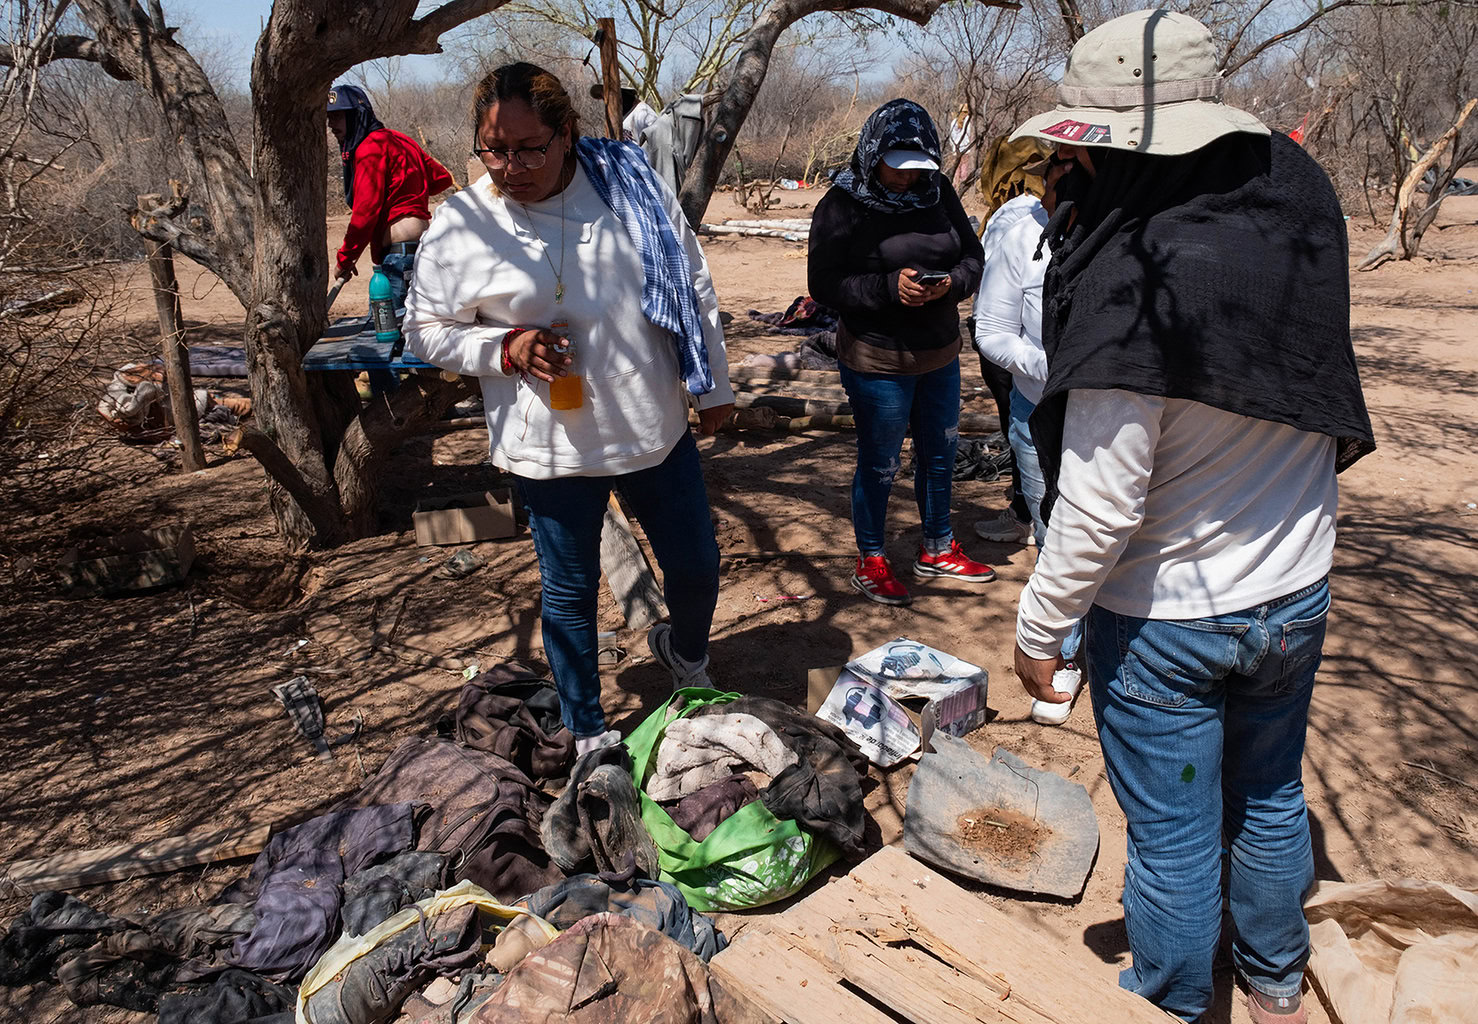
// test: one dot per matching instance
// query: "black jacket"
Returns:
(855, 256)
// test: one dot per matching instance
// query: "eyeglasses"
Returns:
(529, 159)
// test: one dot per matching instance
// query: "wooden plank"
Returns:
(610, 75)
(1005, 971)
(627, 573)
(357, 351)
(920, 988)
(77, 868)
(789, 984)
(1038, 970)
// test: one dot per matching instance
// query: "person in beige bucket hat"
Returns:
(1201, 396)
(1146, 82)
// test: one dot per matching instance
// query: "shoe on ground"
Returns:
(953, 564)
(585, 744)
(1066, 680)
(1004, 529)
(684, 672)
(610, 818)
(1265, 1009)
(374, 986)
(874, 580)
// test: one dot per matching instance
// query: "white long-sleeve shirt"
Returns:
(1170, 509)
(487, 265)
(1008, 307)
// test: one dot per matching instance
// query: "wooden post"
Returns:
(627, 572)
(610, 75)
(176, 356)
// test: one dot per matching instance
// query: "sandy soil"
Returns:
(150, 715)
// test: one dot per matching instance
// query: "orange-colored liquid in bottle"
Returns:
(567, 392)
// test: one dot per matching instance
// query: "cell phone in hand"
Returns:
(932, 278)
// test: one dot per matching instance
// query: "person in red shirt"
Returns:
(388, 182)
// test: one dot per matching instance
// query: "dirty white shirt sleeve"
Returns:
(1005, 333)
(444, 328)
(1108, 451)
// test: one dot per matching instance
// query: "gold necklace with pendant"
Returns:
(559, 275)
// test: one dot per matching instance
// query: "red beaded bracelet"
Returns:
(506, 360)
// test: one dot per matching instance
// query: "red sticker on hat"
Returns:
(1079, 131)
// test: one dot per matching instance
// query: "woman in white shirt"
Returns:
(570, 284)
(1008, 333)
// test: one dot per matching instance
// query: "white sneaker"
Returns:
(684, 673)
(1004, 529)
(1069, 681)
(585, 744)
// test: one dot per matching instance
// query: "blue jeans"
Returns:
(1202, 724)
(397, 268)
(565, 516)
(885, 406)
(1034, 489)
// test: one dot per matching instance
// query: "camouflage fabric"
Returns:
(1003, 174)
(610, 969)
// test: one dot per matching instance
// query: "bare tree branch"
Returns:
(72, 48)
(1072, 18)
(749, 72)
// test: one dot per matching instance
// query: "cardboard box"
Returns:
(939, 692)
(881, 727)
(465, 518)
(136, 560)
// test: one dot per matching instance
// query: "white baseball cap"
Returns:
(909, 160)
(1146, 82)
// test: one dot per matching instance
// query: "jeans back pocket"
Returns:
(1166, 662)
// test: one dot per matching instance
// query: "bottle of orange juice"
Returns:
(567, 392)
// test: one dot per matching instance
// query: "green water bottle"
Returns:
(382, 308)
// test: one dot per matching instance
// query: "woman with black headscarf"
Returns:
(893, 252)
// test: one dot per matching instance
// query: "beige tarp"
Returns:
(1395, 952)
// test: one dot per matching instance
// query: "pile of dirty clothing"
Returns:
(136, 404)
(814, 323)
(481, 874)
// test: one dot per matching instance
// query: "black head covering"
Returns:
(1219, 277)
(360, 120)
(897, 124)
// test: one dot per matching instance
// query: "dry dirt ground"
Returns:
(150, 715)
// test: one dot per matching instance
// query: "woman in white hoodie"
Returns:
(569, 283)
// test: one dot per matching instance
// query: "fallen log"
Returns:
(783, 224)
(77, 868)
(777, 373)
(723, 229)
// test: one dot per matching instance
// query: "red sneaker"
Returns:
(876, 582)
(953, 564)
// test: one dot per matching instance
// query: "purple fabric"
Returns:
(296, 884)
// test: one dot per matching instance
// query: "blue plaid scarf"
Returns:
(623, 178)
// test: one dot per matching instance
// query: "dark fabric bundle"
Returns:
(484, 815)
(658, 905)
(1219, 277)
(823, 790)
(513, 712)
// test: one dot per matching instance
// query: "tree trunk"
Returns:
(750, 68)
(176, 357)
(1397, 244)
